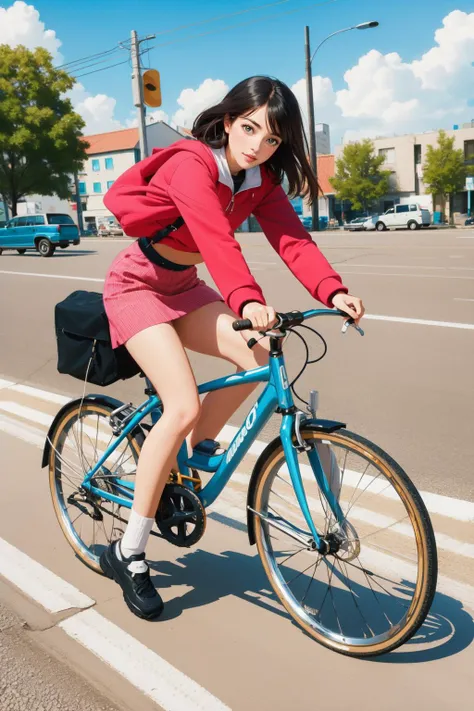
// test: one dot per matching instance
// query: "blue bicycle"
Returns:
(343, 535)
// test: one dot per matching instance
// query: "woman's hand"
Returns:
(262, 317)
(351, 305)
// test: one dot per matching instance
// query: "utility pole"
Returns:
(137, 91)
(312, 133)
(80, 221)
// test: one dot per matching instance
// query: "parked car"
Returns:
(370, 223)
(412, 216)
(469, 221)
(42, 232)
(355, 225)
(115, 230)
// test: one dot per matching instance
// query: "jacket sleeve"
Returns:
(288, 237)
(192, 189)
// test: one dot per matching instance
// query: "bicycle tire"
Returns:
(58, 467)
(419, 517)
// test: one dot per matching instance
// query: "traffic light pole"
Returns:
(137, 91)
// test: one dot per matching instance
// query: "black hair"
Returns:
(284, 117)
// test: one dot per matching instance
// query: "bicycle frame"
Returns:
(276, 396)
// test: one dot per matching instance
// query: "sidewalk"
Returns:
(33, 679)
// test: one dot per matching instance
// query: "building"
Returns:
(404, 157)
(108, 156)
(323, 139)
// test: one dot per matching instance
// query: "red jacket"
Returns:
(192, 180)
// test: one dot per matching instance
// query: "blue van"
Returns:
(42, 232)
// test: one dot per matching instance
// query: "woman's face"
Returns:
(251, 141)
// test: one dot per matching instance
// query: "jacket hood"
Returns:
(215, 158)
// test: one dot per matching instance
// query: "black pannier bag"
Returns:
(83, 340)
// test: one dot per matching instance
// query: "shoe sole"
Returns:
(109, 572)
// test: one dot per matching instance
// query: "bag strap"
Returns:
(167, 230)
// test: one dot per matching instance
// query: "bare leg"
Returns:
(160, 354)
(209, 331)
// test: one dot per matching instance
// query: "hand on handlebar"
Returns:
(350, 305)
(262, 317)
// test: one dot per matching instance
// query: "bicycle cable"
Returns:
(307, 360)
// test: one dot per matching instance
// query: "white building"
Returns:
(109, 155)
(405, 156)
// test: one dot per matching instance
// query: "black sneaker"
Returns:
(133, 576)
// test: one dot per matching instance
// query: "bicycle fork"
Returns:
(291, 424)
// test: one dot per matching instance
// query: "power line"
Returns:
(91, 56)
(222, 17)
(102, 69)
(92, 64)
(183, 27)
(242, 24)
(111, 51)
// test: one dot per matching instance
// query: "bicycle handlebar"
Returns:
(294, 318)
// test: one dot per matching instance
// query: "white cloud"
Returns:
(385, 95)
(20, 24)
(97, 111)
(193, 101)
(151, 117)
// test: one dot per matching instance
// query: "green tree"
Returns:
(40, 134)
(359, 177)
(444, 170)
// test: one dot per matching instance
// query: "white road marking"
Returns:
(450, 507)
(142, 667)
(419, 321)
(463, 299)
(407, 266)
(52, 276)
(47, 588)
(415, 276)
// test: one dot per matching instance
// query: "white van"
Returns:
(412, 216)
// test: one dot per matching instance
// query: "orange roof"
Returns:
(326, 170)
(186, 131)
(123, 140)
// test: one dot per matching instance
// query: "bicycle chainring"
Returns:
(181, 517)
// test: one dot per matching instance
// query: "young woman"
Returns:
(156, 304)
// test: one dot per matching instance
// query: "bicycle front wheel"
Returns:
(373, 590)
(81, 437)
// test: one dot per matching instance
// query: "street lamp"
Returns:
(309, 94)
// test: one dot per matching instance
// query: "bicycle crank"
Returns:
(181, 517)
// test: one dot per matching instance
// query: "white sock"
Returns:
(136, 535)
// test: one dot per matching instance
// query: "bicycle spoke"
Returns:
(363, 487)
(385, 528)
(79, 447)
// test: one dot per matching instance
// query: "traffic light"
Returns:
(151, 88)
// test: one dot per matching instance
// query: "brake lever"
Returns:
(351, 322)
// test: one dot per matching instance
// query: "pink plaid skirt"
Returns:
(139, 294)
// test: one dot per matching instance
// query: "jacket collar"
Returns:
(253, 176)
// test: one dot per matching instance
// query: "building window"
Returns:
(469, 151)
(95, 164)
(97, 188)
(388, 154)
(82, 188)
(109, 164)
(417, 153)
(110, 183)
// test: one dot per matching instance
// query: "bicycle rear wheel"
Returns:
(80, 438)
(372, 592)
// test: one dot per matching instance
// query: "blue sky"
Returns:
(274, 45)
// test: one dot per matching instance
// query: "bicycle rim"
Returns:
(90, 523)
(371, 595)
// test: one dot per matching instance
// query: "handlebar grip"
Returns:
(242, 324)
